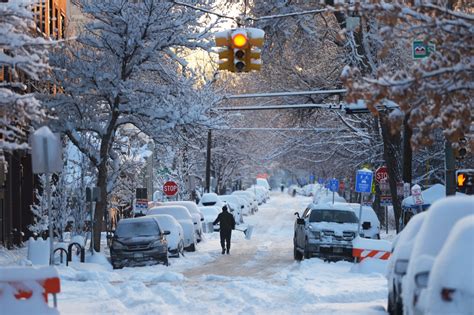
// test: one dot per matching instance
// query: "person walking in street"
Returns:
(227, 224)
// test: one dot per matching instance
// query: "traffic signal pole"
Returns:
(208, 161)
(450, 168)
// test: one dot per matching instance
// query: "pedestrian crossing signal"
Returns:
(465, 181)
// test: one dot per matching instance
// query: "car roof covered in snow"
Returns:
(331, 206)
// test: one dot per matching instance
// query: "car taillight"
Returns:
(447, 294)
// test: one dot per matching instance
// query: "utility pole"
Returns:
(208, 161)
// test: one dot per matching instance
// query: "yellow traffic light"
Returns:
(240, 50)
(239, 40)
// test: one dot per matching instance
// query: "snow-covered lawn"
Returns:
(258, 277)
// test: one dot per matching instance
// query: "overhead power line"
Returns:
(277, 94)
(271, 107)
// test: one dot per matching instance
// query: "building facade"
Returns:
(17, 182)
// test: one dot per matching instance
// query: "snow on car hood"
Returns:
(338, 228)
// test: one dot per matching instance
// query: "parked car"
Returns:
(176, 237)
(210, 214)
(451, 283)
(325, 231)
(249, 197)
(264, 183)
(236, 206)
(370, 223)
(193, 210)
(402, 246)
(211, 199)
(260, 193)
(441, 217)
(182, 215)
(138, 241)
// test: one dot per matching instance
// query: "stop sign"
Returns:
(381, 174)
(170, 188)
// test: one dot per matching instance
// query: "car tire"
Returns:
(297, 254)
(390, 309)
(191, 248)
(307, 254)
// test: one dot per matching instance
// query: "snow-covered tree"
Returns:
(437, 92)
(124, 68)
(23, 57)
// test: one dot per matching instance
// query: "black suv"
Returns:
(138, 241)
(325, 231)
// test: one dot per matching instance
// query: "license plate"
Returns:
(138, 255)
(337, 249)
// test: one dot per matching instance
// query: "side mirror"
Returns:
(297, 215)
(166, 233)
(401, 266)
(366, 225)
(110, 236)
(300, 221)
(421, 279)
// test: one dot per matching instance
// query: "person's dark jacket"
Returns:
(226, 220)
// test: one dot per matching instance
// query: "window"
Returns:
(336, 216)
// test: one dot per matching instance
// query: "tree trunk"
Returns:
(391, 152)
(407, 151)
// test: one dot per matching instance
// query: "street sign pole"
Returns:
(363, 185)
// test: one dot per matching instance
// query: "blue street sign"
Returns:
(321, 180)
(363, 181)
(333, 185)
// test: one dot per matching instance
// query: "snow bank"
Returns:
(38, 251)
(370, 265)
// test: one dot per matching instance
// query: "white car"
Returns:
(440, 219)
(451, 284)
(370, 223)
(195, 213)
(182, 215)
(210, 214)
(402, 246)
(236, 205)
(250, 198)
(263, 182)
(260, 193)
(176, 237)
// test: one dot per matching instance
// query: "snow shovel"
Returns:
(247, 231)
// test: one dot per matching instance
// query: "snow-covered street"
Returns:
(259, 276)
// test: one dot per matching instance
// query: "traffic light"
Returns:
(465, 181)
(460, 151)
(240, 50)
(240, 44)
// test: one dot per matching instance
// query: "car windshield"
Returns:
(133, 229)
(337, 216)
(210, 203)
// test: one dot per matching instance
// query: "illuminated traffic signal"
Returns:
(241, 49)
(240, 44)
(465, 181)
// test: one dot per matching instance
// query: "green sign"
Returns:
(422, 50)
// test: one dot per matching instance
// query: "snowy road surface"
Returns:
(258, 277)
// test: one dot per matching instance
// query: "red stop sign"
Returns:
(381, 174)
(170, 188)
